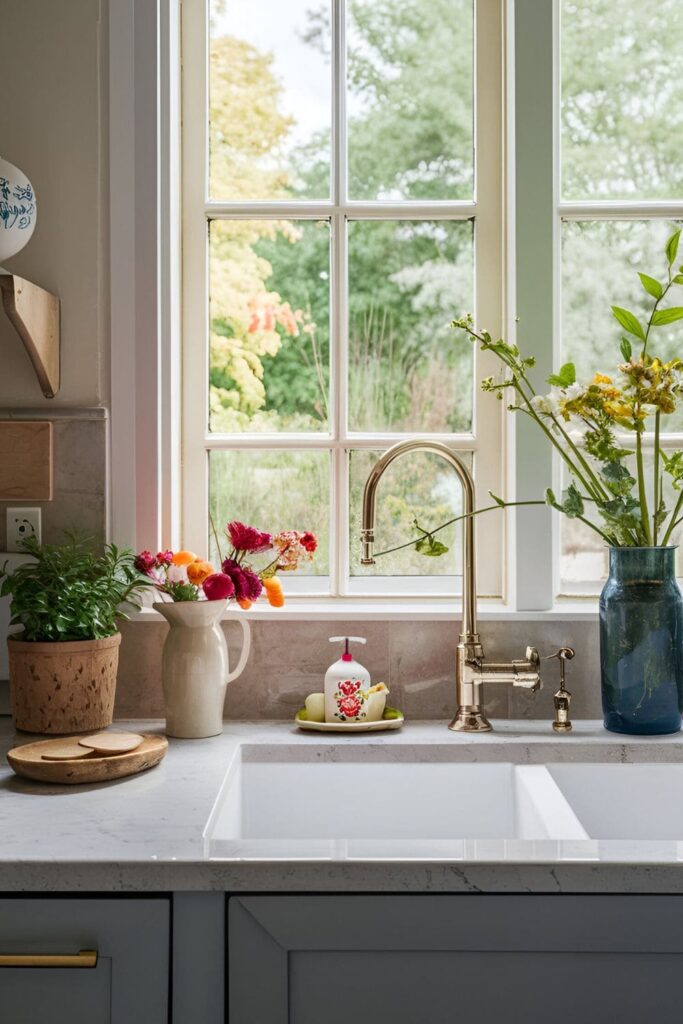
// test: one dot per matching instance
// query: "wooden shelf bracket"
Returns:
(34, 313)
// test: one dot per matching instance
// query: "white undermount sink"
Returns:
(642, 802)
(343, 803)
(275, 805)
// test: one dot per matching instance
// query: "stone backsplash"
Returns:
(416, 660)
(79, 440)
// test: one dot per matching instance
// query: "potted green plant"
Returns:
(64, 660)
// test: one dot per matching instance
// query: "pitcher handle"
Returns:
(244, 653)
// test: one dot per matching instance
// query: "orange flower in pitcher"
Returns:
(184, 557)
(198, 571)
(273, 589)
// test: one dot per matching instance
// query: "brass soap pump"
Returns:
(562, 698)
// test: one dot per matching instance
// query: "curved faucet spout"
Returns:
(471, 668)
(469, 586)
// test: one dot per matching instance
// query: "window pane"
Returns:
(273, 491)
(420, 486)
(269, 133)
(583, 558)
(410, 99)
(622, 104)
(407, 369)
(600, 261)
(269, 309)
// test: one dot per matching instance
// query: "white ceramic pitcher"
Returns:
(194, 666)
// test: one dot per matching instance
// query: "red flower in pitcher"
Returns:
(349, 687)
(350, 706)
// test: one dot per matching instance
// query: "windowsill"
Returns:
(360, 609)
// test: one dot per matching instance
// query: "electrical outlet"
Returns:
(22, 523)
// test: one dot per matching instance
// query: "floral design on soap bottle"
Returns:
(350, 700)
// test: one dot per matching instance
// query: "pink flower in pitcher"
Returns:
(248, 538)
(145, 562)
(247, 584)
(218, 586)
(295, 548)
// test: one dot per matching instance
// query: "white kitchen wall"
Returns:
(53, 126)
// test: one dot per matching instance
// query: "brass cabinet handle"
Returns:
(86, 958)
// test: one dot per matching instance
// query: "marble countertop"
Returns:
(144, 833)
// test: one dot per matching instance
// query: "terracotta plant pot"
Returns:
(63, 687)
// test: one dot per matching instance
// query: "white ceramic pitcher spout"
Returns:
(195, 668)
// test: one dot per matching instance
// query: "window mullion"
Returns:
(618, 210)
(533, 258)
(338, 404)
(338, 155)
(311, 210)
(339, 581)
(488, 295)
(339, 485)
(195, 313)
(317, 442)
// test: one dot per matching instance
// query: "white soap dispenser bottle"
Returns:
(346, 685)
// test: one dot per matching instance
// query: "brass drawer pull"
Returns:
(86, 958)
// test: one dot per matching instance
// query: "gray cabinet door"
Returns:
(442, 959)
(130, 983)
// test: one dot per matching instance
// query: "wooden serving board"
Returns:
(28, 761)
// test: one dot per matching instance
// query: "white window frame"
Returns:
(486, 440)
(144, 273)
(592, 212)
(534, 273)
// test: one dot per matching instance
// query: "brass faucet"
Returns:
(471, 668)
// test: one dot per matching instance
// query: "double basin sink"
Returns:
(338, 803)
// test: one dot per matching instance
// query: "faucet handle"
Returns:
(527, 673)
(562, 698)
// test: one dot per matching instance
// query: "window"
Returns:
(351, 178)
(335, 219)
(620, 194)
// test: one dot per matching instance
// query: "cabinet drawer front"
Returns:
(435, 987)
(58, 995)
(439, 958)
(130, 981)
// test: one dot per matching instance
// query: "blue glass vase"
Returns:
(641, 638)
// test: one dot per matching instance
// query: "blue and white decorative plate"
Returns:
(17, 210)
